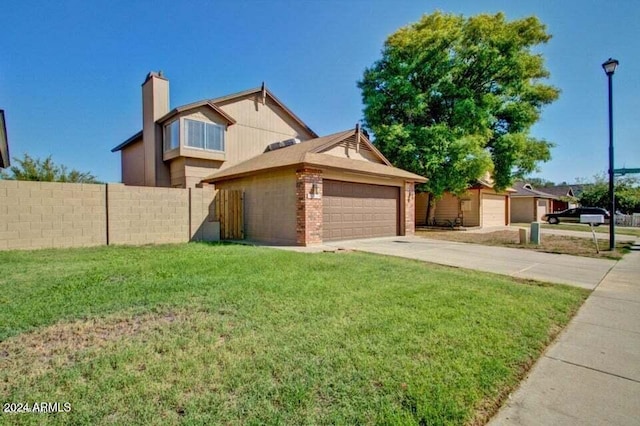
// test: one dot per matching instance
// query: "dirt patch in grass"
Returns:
(207, 334)
(560, 244)
(34, 353)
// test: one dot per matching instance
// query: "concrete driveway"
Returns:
(563, 269)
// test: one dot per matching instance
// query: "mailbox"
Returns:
(592, 218)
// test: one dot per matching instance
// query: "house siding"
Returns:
(176, 167)
(269, 206)
(421, 207)
(522, 209)
(132, 159)
(529, 209)
(257, 126)
(196, 169)
(447, 208)
(347, 149)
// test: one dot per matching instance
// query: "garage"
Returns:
(356, 210)
(493, 210)
(542, 209)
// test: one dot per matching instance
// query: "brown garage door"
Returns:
(357, 210)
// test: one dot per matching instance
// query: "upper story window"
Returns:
(172, 135)
(199, 134)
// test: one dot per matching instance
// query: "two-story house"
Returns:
(298, 188)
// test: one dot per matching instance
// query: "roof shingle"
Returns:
(307, 153)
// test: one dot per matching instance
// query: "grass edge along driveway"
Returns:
(213, 334)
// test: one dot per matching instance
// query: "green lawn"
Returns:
(223, 334)
(602, 229)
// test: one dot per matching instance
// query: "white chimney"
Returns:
(155, 104)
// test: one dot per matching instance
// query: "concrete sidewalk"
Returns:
(578, 271)
(591, 374)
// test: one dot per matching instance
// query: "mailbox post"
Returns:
(593, 219)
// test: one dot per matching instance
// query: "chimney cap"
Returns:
(153, 74)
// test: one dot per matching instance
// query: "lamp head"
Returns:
(610, 66)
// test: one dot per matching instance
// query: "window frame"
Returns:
(205, 123)
(168, 131)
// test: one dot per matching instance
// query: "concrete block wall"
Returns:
(36, 215)
(203, 224)
(51, 214)
(147, 215)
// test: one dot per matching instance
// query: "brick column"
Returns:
(409, 208)
(308, 207)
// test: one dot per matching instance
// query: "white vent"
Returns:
(282, 144)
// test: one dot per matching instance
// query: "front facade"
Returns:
(179, 147)
(529, 204)
(297, 188)
(480, 206)
(565, 197)
(337, 187)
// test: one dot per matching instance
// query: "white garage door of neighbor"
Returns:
(493, 210)
(357, 210)
(542, 209)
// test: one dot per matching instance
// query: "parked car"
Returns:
(573, 215)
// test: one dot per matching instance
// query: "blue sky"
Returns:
(70, 72)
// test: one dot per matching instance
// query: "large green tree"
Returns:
(453, 98)
(627, 192)
(46, 170)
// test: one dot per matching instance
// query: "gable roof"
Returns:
(310, 153)
(487, 182)
(267, 93)
(194, 105)
(560, 190)
(129, 141)
(5, 161)
(216, 103)
(523, 189)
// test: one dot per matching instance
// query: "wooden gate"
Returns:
(230, 213)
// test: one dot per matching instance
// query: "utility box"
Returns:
(524, 235)
(594, 219)
(535, 232)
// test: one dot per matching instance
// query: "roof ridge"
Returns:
(213, 102)
(274, 97)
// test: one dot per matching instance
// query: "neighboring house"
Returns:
(4, 143)
(480, 206)
(298, 188)
(528, 204)
(566, 196)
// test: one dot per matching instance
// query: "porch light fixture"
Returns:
(314, 193)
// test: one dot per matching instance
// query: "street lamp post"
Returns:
(609, 68)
